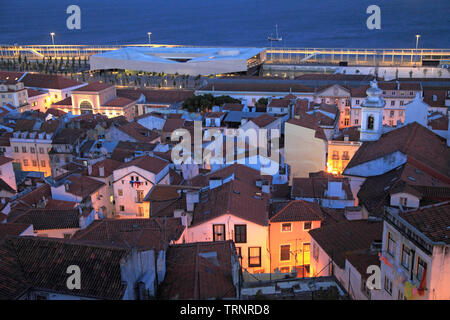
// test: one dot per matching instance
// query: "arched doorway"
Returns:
(86, 107)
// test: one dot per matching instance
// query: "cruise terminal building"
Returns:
(182, 60)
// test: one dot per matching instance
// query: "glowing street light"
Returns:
(53, 42)
(417, 43)
(149, 37)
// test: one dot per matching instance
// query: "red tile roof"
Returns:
(138, 132)
(172, 124)
(298, 210)
(156, 96)
(41, 263)
(4, 160)
(308, 121)
(35, 80)
(263, 120)
(83, 186)
(419, 144)
(432, 221)
(233, 107)
(236, 198)
(316, 187)
(12, 229)
(119, 102)
(199, 271)
(65, 102)
(93, 87)
(47, 219)
(34, 93)
(339, 239)
(153, 233)
(148, 163)
(108, 165)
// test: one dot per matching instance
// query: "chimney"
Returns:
(89, 169)
(192, 197)
(101, 171)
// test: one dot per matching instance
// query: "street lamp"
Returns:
(53, 42)
(417, 44)
(149, 37)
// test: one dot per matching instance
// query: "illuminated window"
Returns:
(218, 232)
(43, 163)
(254, 256)
(25, 162)
(285, 252)
(286, 227)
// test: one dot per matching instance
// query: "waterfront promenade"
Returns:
(294, 56)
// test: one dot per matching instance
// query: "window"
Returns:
(400, 113)
(356, 121)
(25, 162)
(307, 225)
(218, 232)
(306, 247)
(421, 268)
(356, 102)
(388, 285)
(391, 245)
(34, 162)
(240, 233)
(122, 208)
(140, 212)
(392, 103)
(286, 227)
(403, 201)
(406, 256)
(254, 256)
(24, 149)
(16, 149)
(370, 122)
(391, 114)
(346, 121)
(120, 192)
(32, 150)
(285, 252)
(43, 163)
(41, 150)
(345, 156)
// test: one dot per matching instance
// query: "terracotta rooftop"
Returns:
(12, 229)
(421, 146)
(83, 186)
(298, 210)
(108, 165)
(41, 263)
(432, 221)
(263, 120)
(199, 271)
(148, 163)
(316, 188)
(93, 87)
(339, 239)
(138, 132)
(153, 233)
(48, 219)
(34, 93)
(4, 160)
(308, 121)
(257, 86)
(119, 102)
(35, 80)
(233, 107)
(236, 198)
(156, 96)
(172, 124)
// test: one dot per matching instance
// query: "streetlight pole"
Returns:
(149, 37)
(53, 43)
(417, 45)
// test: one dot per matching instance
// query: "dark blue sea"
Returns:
(301, 23)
